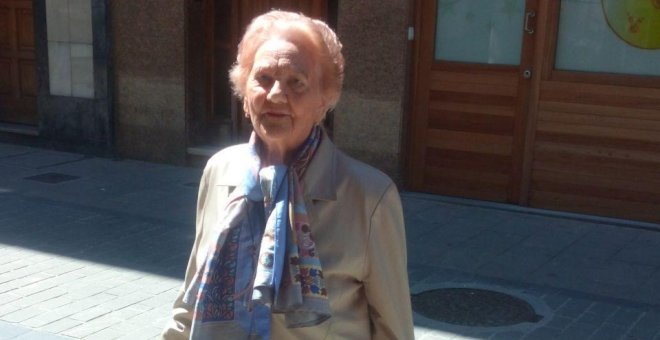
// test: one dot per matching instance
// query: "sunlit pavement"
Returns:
(95, 248)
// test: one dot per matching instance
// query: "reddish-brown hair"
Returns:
(281, 24)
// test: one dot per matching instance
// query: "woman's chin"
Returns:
(274, 133)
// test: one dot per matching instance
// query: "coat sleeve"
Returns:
(386, 283)
(178, 327)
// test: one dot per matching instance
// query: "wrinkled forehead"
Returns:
(286, 51)
(294, 30)
(297, 33)
(280, 51)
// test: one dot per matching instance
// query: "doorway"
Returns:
(470, 97)
(18, 79)
(214, 117)
(515, 101)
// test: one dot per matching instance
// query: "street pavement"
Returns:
(94, 248)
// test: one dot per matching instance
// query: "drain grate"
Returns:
(52, 178)
(474, 307)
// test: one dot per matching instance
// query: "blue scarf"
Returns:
(264, 258)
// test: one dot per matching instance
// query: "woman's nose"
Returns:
(276, 93)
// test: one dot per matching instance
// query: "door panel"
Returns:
(18, 80)
(470, 98)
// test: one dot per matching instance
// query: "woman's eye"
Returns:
(264, 79)
(296, 83)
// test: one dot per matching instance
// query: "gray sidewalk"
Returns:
(94, 248)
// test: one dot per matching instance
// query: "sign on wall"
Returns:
(637, 22)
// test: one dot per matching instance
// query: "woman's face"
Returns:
(283, 96)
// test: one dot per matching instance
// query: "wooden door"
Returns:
(18, 80)
(219, 121)
(596, 129)
(470, 100)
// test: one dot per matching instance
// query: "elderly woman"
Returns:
(295, 240)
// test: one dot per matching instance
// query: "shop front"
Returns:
(541, 103)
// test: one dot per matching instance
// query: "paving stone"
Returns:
(578, 331)
(107, 334)
(157, 318)
(38, 335)
(124, 288)
(602, 243)
(22, 314)
(90, 313)
(574, 307)
(467, 336)
(604, 309)
(63, 267)
(81, 304)
(166, 297)
(41, 296)
(61, 325)
(555, 300)
(132, 311)
(609, 332)
(8, 297)
(86, 329)
(86, 291)
(36, 287)
(592, 318)
(148, 332)
(12, 265)
(647, 327)
(9, 330)
(15, 280)
(560, 322)
(126, 300)
(42, 319)
(8, 308)
(543, 333)
(551, 239)
(511, 335)
(517, 262)
(156, 285)
(625, 317)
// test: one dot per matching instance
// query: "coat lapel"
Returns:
(318, 180)
(320, 176)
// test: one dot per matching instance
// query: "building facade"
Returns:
(543, 103)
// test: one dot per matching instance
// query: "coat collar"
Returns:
(320, 176)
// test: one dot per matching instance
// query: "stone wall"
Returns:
(368, 122)
(72, 56)
(149, 71)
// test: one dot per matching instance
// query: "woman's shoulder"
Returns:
(225, 164)
(358, 173)
(229, 154)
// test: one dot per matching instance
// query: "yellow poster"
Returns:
(637, 22)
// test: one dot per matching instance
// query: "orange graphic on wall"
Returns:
(637, 22)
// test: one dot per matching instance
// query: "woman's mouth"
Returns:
(276, 114)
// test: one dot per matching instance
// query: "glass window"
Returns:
(613, 36)
(480, 31)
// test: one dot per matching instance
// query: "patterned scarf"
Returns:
(264, 260)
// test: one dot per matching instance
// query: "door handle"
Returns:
(529, 15)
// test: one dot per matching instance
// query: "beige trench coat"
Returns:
(357, 222)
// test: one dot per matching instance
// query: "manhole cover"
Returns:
(52, 178)
(473, 307)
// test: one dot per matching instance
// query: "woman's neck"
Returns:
(275, 154)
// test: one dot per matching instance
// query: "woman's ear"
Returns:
(245, 108)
